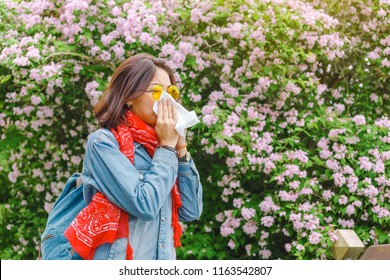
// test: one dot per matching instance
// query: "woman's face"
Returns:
(142, 106)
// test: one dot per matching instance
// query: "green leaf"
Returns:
(4, 79)
(352, 198)
(317, 160)
(382, 237)
(266, 70)
(190, 61)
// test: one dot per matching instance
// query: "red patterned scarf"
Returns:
(101, 221)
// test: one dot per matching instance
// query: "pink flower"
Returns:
(328, 219)
(334, 133)
(75, 159)
(374, 97)
(268, 166)
(359, 120)
(220, 217)
(231, 162)
(379, 167)
(300, 247)
(343, 200)
(305, 207)
(315, 238)
(210, 119)
(370, 191)
(33, 52)
(346, 223)
(267, 205)
(306, 191)
(248, 213)
(294, 184)
(321, 88)
(333, 164)
(265, 253)
(327, 195)
(287, 246)
(291, 170)
(376, 209)
(295, 217)
(323, 144)
(325, 154)
(35, 100)
(226, 231)
(287, 196)
(350, 210)
(250, 227)
(365, 163)
(237, 202)
(21, 61)
(236, 149)
(332, 236)
(267, 221)
(357, 203)
(352, 140)
(339, 179)
(235, 223)
(383, 213)
(232, 244)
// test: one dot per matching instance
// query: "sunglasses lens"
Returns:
(156, 95)
(173, 91)
(156, 92)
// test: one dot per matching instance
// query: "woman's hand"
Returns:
(166, 122)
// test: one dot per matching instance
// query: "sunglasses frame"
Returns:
(158, 90)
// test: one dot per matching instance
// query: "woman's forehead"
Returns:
(160, 83)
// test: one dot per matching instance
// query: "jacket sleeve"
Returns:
(118, 179)
(191, 192)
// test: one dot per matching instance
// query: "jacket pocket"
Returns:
(55, 246)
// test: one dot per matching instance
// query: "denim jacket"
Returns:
(144, 191)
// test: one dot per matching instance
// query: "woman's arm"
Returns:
(191, 192)
(120, 181)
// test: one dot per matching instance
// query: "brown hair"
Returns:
(128, 82)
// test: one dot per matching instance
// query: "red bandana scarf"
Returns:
(101, 221)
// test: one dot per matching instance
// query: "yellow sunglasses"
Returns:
(158, 90)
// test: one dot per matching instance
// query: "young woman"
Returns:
(139, 179)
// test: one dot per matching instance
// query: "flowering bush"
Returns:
(294, 141)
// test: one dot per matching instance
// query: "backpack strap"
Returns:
(79, 181)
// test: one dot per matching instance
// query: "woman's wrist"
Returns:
(170, 148)
(182, 152)
(181, 146)
(182, 149)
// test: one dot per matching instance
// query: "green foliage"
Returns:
(272, 83)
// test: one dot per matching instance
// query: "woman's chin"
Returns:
(152, 122)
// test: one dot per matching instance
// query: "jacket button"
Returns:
(163, 219)
(162, 245)
(141, 176)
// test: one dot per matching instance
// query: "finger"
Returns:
(169, 107)
(165, 110)
(174, 113)
(170, 110)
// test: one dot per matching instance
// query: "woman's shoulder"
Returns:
(102, 135)
(105, 136)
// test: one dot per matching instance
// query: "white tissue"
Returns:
(185, 118)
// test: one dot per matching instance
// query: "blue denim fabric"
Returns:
(144, 191)
(54, 244)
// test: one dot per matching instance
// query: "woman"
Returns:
(139, 179)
